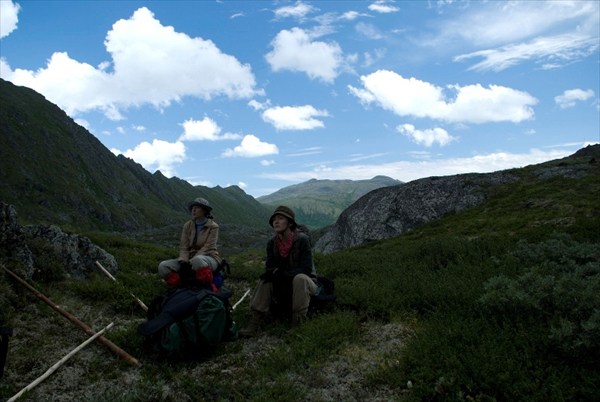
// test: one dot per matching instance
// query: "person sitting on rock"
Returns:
(197, 246)
(287, 283)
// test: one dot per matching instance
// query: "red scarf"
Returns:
(284, 248)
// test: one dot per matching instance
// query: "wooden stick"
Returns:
(239, 301)
(141, 303)
(114, 348)
(59, 363)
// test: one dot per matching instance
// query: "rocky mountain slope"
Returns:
(54, 171)
(390, 211)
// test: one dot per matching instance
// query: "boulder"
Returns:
(77, 254)
(391, 211)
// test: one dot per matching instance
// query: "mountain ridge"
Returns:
(55, 171)
(318, 203)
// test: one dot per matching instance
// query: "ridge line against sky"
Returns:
(265, 94)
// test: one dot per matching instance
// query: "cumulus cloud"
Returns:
(251, 147)
(570, 96)
(9, 17)
(470, 104)
(158, 155)
(294, 117)
(383, 6)
(204, 130)
(426, 137)
(298, 10)
(143, 51)
(295, 50)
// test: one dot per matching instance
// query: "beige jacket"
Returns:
(206, 242)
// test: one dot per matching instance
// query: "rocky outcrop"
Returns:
(32, 246)
(12, 239)
(390, 211)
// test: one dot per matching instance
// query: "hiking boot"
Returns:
(253, 327)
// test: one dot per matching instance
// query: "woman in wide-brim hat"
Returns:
(197, 245)
(288, 282)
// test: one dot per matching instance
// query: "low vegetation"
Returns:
(497, 303)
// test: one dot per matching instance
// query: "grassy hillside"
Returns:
(497, 303)
(318, 203)
(54, 171)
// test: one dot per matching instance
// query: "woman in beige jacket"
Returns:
(198, 244)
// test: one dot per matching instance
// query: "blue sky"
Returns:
(265, 94)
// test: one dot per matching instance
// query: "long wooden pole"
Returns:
(141, 303)
(86, 328)
(59, 363)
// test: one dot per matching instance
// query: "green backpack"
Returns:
(189, 323)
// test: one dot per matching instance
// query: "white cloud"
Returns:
(570, 96)
(307, 151)
(298, 10)
(9, 17)
(426, 137)
(553, 51)
(551, 33)
(294, 117)
(368, 30)
(373, 57)
(294, 50)
(501, 22)
(143, 51)
(256, 105)
(383, 6)
(411, 170)
(204, 130)
(266, 162)
(251, 147)
(158, 155)
(471, 104)
(350, 15)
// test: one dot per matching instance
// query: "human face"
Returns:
(280, 223)
(198, 212)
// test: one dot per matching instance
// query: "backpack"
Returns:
(326, 287)
(188, 323)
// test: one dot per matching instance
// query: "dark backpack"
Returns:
(188, 323)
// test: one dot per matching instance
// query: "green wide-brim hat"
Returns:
(284, 211)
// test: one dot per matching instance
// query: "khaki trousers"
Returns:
(303, 287)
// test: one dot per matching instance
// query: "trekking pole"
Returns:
(239, 301)
(141, 303)
(86, 328)
(59, 363)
